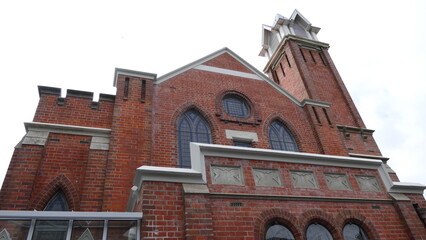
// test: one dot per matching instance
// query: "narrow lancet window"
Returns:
(281, 138)
(57, 203)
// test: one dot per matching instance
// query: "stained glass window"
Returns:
(353, 232)
(235, 106)
(192, 127)
(280, 137)
(57, 203)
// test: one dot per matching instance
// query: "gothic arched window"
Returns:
(192, 127)
(281, 138)
(317, 231)
(278, 232)
(57, 203)
(354, 232)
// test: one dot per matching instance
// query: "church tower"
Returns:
(300, 64)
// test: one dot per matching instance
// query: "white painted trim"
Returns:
(241, 135)
(208, 58)
(198, 172)
(161, 174)
(165, 174)
(404, 187)
(297, 13)
(228, 72)
(239, 59)
(308, 101)
(67, 129)
(37, 134)
(54, 215)
(200, 150)
(368, 156)
(133, 73)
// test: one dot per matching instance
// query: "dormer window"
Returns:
(235, 106)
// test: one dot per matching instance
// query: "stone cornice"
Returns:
(54, 215)
(37, 134)
(384, 159)
(355, 129)
(67, 129)
(199, 151)
(133, 73)
(318, 103)
(303, 42)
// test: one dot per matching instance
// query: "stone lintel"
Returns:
(355, 129)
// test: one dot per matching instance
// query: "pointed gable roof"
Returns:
(252, 73)
(200, 64)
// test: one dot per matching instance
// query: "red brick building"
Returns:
(212, 150)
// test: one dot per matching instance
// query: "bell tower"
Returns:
(300, 64)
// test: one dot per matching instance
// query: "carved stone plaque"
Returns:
(302, 179)
(337, 181)
(368, 183)
(227, 175)
(267, 177)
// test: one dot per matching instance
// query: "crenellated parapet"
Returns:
(76, 108)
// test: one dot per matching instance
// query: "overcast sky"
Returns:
(377, 46)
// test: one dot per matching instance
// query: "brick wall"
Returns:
(77, 108)
(130, 145)
(143, 119)
(163, 209)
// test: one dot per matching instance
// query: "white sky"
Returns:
(377, 46)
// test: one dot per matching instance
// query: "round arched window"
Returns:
(235, 106)
(354, 232)
(317, 231)
(278, 232)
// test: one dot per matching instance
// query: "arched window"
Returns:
(278, 232)
(354, 232)
(235, 106)
(192, 127)
(317, 231)
(57, 203)
(280, 137)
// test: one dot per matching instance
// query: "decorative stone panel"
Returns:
(304, 179)
(99, 143)
(35, 138)
(368, 183)
(227, 175)
(267, 177)
(38, 133)
(337, 181)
